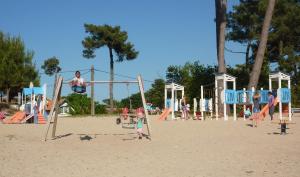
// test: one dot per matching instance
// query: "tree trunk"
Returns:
(54, 85)
(254, 76)
(7, 95)
(111, 96)
(221, 7)
(247, 61)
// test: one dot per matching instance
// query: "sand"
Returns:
(89, 147)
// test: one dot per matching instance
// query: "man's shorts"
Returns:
(271, 110)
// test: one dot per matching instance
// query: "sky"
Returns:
(165, 32)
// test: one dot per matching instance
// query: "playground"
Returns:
(96, 146)
(150, 89)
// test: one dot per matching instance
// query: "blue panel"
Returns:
(168, 103)
(244, 97)
(27, 91)
(206, 104)
(38, 90)
(230, 96)
(285, 95)
(264, 96)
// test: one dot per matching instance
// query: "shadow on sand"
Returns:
(62, 136)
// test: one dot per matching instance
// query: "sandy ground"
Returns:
(89, 147)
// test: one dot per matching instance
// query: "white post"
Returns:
(253, 90)
(280, 101)
(172, 103)
(244, 99)
(234, 105)
(270, 84)
(290, 105)
(22, 98)
(195, 106)
(166, 92)
(202, 99)
(32, 97)
(216, 99)
(224, 104)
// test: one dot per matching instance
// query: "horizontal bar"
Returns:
(107, 82)
(115, 82)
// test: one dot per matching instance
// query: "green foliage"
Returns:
(112, 37)
(81, 105)
(100, 108)
(191, 76)
(16, 67)
(136, 101)
(116, 102)
(51, 66)
(155, 95)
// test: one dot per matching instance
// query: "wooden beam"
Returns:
(141, 87)
(56, 113)
(54, 103)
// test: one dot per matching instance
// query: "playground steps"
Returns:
(41, 119)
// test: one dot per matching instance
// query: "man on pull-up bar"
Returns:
(78, 85)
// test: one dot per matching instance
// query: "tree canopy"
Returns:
(51, 66)
(16, 67)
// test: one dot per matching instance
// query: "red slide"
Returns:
(16, 118)
(264, 112)
(164, 114)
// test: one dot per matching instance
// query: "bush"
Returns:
(100, 108)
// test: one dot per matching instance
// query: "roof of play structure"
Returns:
(279, 75)
(225, 77)
(174, 86)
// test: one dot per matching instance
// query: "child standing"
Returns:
(139, 123)
(256, 108)
(271, 104)
(183, 109)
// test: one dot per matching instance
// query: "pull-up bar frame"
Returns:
(55, 107)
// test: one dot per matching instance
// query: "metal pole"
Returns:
(92, 91)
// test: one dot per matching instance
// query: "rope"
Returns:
(121, 75)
